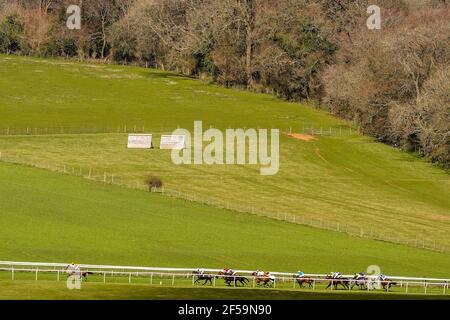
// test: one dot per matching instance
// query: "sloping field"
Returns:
(53, 217)
(338, 178)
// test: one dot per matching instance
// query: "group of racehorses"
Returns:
(229, 279)
(266, 279)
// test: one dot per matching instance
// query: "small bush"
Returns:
(153, 183)
(11, 30)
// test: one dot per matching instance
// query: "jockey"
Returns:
(73, 269)
(77, 269)
(259, 273)
(360, 275)
(300, 274)
(336, 275)
(200, 271)
(229, 272)
(70, 269)
(382, 277)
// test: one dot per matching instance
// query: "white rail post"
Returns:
(173, 279)
(293, 280)
(407, 284)
(151, 278)
(214, 281)
(104, 277)
(12, 273)
(426, 285)
(57, 275)
(274, 283)
(193, 279)
(129, 278)
(37, 273)
(314, 284)
(253, 282)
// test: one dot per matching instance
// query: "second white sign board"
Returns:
(173, 142)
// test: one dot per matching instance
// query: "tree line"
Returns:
(394, 82)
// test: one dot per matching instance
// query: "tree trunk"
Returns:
(250, 24)
(104, 39)
(248, 61)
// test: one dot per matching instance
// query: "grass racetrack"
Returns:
(50, 290)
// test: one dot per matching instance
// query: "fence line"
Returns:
(352, 230)
(171, 274)
(341, 130)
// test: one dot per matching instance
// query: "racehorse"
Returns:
(344, 282)
(73, 272)
(303, 280)
(387, 284)
(265, 279)
(230, 279)
(360, 282)
(206, 277)
(83, 275)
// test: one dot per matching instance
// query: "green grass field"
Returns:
(340, 177)
(52, 290)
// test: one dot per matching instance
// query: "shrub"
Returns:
(11, 30)
(153, 182)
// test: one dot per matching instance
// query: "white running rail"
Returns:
(11, 265)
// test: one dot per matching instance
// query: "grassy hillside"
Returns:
(52, 217)
(339, 178)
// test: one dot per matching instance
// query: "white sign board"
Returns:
(140, 141)
(174, 142)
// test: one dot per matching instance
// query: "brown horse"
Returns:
(360, 282)
(344, 282)
(387, 284)
(83, 275)
(264, 279)
(203, 277)
(303, 280)
(229, 279)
